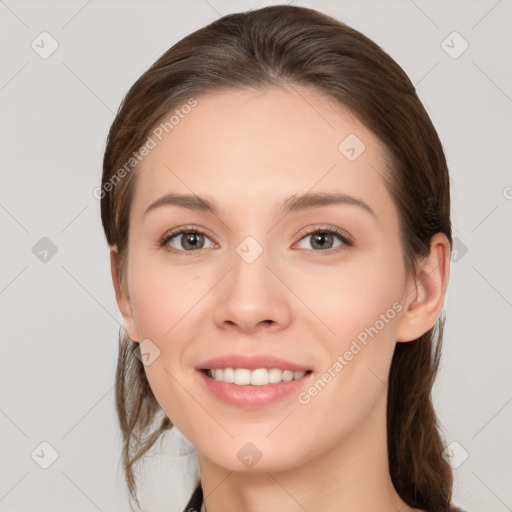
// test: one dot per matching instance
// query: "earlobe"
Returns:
(424, 302)
(122, 297)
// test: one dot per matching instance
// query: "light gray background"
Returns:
(59, 319)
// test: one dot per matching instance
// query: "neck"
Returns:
(353, 476)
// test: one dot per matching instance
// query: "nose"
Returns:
(252, 297)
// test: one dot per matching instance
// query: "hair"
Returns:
(295, 46)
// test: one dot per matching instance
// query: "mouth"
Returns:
(253, 388)
(256, 377)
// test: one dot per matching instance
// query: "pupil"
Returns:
(321, 239)
(192, 240)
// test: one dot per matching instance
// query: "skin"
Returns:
(250, 151)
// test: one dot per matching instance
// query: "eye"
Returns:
(190, 239)
(325, 239)
(185, 240)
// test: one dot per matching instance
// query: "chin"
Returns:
(253, 457)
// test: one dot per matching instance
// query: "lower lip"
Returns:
(253, 396)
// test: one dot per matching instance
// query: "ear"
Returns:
(426, 291)
(122, 298)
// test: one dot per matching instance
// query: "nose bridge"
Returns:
(250, 262)
(250, 280)
(251, 293)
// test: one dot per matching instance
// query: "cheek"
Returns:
(362, 308)
(357, 297)
(163, 297)
(166, 306)
(164, 312)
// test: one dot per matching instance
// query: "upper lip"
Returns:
(251, 362)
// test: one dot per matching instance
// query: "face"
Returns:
(319, 283)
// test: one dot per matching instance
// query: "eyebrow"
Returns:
(294, 203)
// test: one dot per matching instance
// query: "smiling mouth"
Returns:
(257, 377)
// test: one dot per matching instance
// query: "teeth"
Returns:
(258, 377)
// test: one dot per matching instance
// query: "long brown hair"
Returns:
(285, 45)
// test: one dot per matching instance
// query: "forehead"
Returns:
(251, 149)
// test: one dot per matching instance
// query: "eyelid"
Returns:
(165, 238)
(345, 238)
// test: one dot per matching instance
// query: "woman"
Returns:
(276, 200)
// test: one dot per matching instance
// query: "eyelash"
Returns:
(317, 229)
